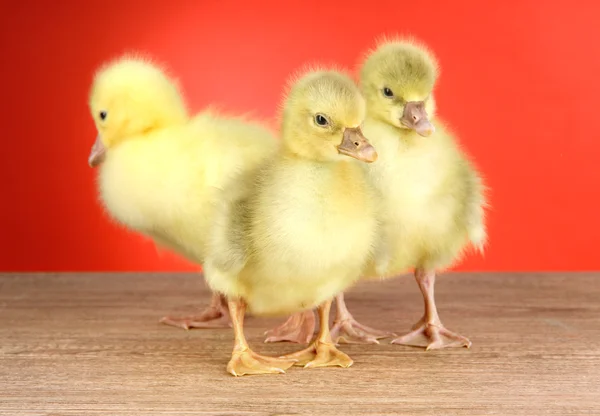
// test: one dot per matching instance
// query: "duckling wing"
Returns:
(227, 243)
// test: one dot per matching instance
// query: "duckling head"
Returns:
(397, 80)
(129, 97)
(322, 115)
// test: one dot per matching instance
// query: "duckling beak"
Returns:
(415, 118)
(355, 145)
(97, 154)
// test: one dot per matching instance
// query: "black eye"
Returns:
(388, 93)
(102, 115)
(321, 120)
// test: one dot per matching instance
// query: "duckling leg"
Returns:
(243, 359)
(215, 316)
(299, 328)
(429, 325)
(322, 352)
(347, 330)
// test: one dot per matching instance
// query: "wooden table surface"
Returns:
(91, 344)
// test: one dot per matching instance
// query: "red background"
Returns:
(519, 85)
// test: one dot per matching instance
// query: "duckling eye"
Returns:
(387, 92)
(321, 120)
(103, 115)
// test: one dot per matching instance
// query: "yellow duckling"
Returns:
(307, 230)
(431, 197)
(162, 172)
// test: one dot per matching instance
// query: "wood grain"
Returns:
(73, 344)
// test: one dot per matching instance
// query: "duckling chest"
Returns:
(317, 213)
(126, 193)
(148, 194)
(409, 181)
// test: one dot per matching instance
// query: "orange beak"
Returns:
(97, 154)
(415, 118)
(355, 145)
